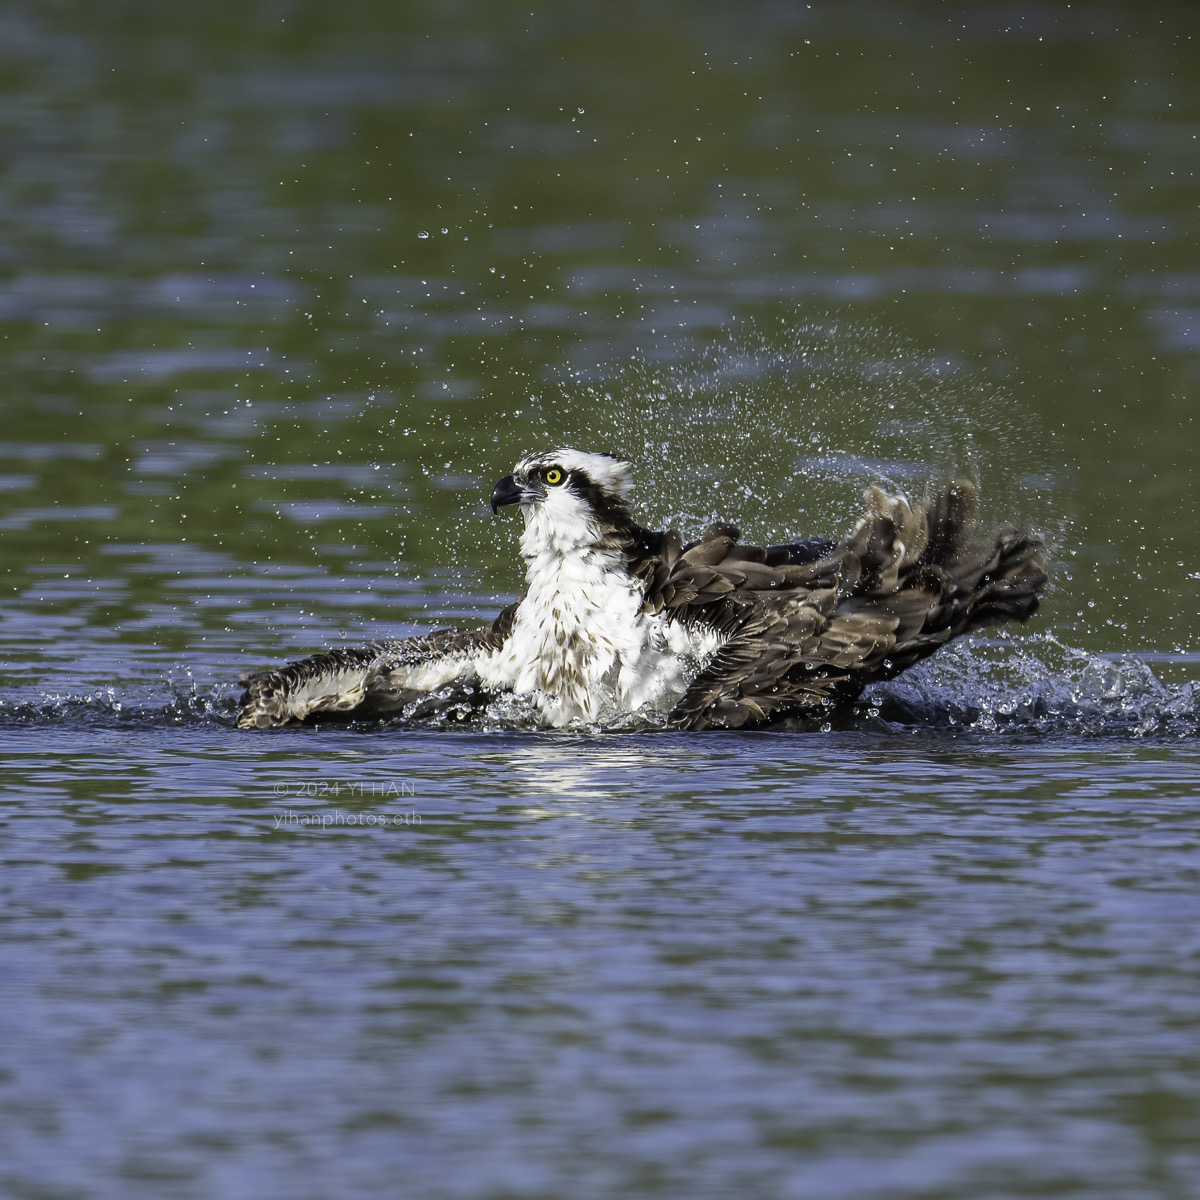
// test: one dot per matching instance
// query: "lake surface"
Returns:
(283, 290)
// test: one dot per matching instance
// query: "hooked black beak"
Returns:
(506, 491)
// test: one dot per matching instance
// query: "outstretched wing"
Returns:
(369, 681)
(801, 631)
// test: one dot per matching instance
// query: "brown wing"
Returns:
(357, 681)
(801, 634)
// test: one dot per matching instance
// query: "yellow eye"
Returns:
(554, 475)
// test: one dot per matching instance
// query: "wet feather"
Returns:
(712, 634)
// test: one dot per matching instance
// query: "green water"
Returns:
(284, 288)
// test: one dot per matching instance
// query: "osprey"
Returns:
(714, 634)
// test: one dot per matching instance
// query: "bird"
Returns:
(620, 621)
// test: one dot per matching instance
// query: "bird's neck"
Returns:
(577, 573)
(546, 543)
(566, 574)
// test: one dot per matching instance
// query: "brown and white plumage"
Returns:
(714, 634)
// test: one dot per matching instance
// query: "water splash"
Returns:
(106, 708)
(779, 428)
(1037, 684)
(978, 687)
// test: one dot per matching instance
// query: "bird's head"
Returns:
(568, 499)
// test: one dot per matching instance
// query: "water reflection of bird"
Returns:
(619, 620)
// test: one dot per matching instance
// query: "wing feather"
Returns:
(365, 681)
(799, 634)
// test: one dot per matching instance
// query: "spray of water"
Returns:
(780, 429)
